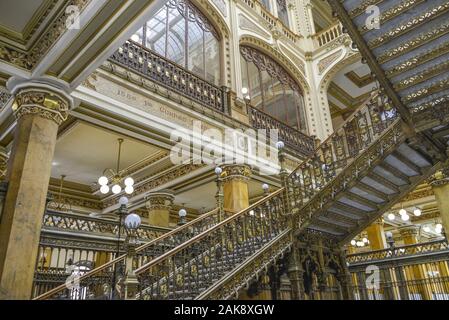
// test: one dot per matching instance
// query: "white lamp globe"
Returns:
(365, 240)
(116, 189)
(265, 187)
(438, 226)
(104, 189)
(123, 201)
(129, 189)
(405, 217)
(218, 170)
(389, 234)
(102, 181)
(402, 212)
(360, 244)
(132, 221)
(244, 90)
(135, 38)
(353, 242)
(391, 216)
(251, 213)
(417, 212)
(280, 145)
(426, 229)
(129, 182)
(182, 212)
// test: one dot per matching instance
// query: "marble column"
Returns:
(39, 111)
(159, 205)
(235, 187)
(376, 235)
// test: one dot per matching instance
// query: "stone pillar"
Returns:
(235, 187)
(376, 235)
(39, 111)
(409, 236)
(159, 205)
(440, 186)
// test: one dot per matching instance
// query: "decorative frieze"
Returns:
(236, 172)
(159, 201)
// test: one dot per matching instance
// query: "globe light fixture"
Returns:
(353, 242)
(402, 212)
(218, 170)
(438, 228)
(405, 217)
(135, 37)
(417, 212)
(244, 91)
(182, 213)
(280, 145)
(132, 221)
(118, 177)
(426, 229)
(123, 201)
(265, 188)
(391, 216)
(365, 240)
(116, 189)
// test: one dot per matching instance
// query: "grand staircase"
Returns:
(388, 146)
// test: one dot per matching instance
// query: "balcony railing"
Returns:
(79, 225)
(413, 272)
(170, 75)
(271, 20)
(327, 35)
(292, 138)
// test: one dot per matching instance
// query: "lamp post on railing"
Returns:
(132, 223)
(122, 211)
(182, 213)
(266, 189)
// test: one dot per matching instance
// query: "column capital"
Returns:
(162, 200)
(236, 172)
(440, 178)
(409, 231)
(44, 102)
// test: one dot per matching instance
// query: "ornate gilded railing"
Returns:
(98, 283)
(375, 125)
(185, 271)
(84, 225)
(412, 272)
(292, 138)
(164, 72)
(229, 286)
(402, 252)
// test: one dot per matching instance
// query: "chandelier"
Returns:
(118, 177)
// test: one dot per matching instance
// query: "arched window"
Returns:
(181, 33)
(271, 89)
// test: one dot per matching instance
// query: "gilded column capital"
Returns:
(162, 200)
(409, 231)
(41, 101)
(440, 178)
(236, 172)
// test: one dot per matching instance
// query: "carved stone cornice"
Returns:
(236, 172)
(43, 102)
(162, 200)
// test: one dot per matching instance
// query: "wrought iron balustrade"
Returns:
(185, 271)
(86, 225)
(374, 125)
(293, 138)
(97, 283)
(170, 75)
(386, 256)
(412, 272)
